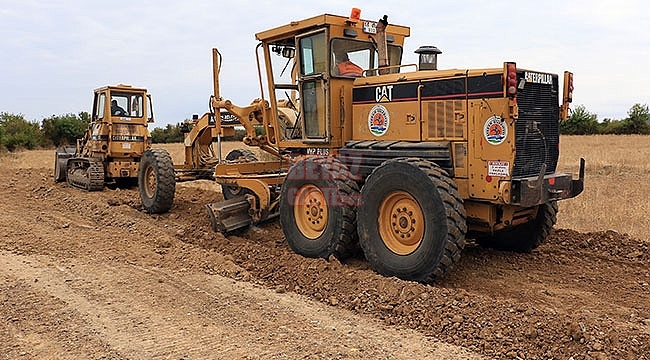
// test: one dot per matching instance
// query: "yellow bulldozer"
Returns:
(116, 148)
(404, 161)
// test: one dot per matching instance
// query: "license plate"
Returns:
(370, 27)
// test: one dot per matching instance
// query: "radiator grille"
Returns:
(537, 133)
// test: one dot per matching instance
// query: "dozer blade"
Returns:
(230, 215)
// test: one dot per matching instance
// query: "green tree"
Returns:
(19, 133)
(65, 129)
(170, 134)
(581, 122)
(158, 136)
(637, 121)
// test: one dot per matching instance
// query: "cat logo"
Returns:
(384, 93)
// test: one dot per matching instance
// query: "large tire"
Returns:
(61, 157)
(526, 237)
(411, 221)
(156, 181)
(237, 155)
(318, 209)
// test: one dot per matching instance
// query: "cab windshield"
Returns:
(125, 104)
(351, 58)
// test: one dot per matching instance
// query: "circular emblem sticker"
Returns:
(378, 120)
(495, 130)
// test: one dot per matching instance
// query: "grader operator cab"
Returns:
(403, 160)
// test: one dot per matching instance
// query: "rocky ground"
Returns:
(90, 275)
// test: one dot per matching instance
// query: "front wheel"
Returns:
(318, 209)
(156, 181)
(411, 221)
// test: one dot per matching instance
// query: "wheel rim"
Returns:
(401, 222)
(310, 211)
(150, 182)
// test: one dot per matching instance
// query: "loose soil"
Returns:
(90, 275)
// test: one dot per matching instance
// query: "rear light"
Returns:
(511, 79)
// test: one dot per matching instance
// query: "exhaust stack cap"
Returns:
(428, 57)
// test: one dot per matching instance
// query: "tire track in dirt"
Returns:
(128, 286)
(115, 302)
(579, 295)
(556, 302)
(151, 313)
(27, 317)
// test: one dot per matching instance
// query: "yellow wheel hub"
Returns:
(150, 182)
(401, 222)
(310, 211)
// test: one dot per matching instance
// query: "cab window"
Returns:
(313, 50)
(361, 54)
(127, 105)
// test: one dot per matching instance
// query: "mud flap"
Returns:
(230, 215)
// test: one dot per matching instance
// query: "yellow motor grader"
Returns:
(116, 148)
(402, 160)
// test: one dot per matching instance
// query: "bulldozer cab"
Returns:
(311, 66)
(122, 104)
(119, 121)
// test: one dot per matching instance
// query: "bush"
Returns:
(637, 121)
(64, 129)
(170, 134)
(18, 133)
(581, 122)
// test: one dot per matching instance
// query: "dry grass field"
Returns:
(617, 181)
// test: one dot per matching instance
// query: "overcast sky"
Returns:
(54, 53)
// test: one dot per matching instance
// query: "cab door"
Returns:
(313, 86)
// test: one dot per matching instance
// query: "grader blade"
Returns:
(230, 215)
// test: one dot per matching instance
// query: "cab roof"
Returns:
(120, 87)
(301, 26)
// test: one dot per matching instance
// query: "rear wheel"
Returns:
(156, 181)
(318, 209)
(526, 237)
(415, 229)
(237, 155)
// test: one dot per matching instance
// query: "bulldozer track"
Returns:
(89, 176)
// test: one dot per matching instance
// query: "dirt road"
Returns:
(89, 275)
